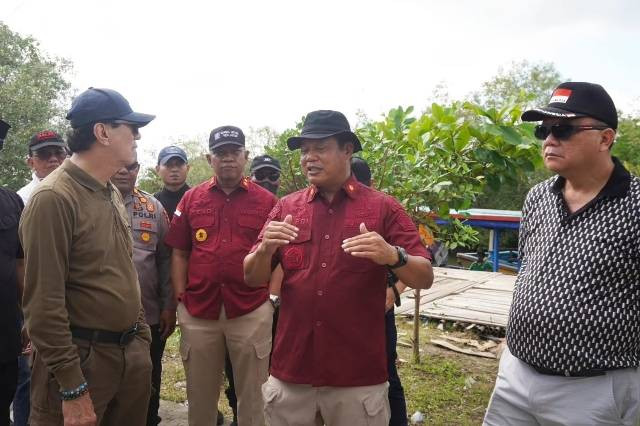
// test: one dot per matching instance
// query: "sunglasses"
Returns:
(45, 154)
(562, 131)
(132, 167)
(262, 174)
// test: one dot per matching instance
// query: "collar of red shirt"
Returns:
(244, 183)
(350, 187)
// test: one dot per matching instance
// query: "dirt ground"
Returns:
(449, 388)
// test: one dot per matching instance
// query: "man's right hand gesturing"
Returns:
(278, 234)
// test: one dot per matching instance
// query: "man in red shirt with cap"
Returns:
(213, 229)
(334, 240)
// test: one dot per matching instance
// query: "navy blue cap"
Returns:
(95, 105)
(168, 152)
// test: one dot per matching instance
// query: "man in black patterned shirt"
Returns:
(574, 329)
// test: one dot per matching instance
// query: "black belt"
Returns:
(567, 373)
(104, 336)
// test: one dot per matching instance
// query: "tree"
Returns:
(34, 94)
(523, 82)
(627, 144)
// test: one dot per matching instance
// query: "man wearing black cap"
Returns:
(212, 230)
(334, 241)
(172, 168)
(574, 330)
(47, 150)
(11, 278)
(265, 171)
(82, 299)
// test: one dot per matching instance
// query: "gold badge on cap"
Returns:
(145, 236)
(201, 235)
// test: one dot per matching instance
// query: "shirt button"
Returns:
(324, 265)
(326, 237)
(222, 285)
(318, 323)
(319, 292)
(330, 211)
(226, 220)
(224, 241)
(228, 200)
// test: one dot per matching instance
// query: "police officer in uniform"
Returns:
(152, 259)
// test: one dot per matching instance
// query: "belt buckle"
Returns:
(127, 336)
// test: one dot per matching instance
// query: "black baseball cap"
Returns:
(323, 124)
(226, 135)
(46, 138)
(264, 161)
(361, 171)
(96, 105)
(577, 99)
(169, 152)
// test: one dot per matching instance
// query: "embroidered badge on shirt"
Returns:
(150, 207)
(145, 236)
(201, 235)
(146, 225)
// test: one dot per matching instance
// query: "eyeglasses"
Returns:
(562, 131)
(262, 174)
(132, 167)
(45, 154)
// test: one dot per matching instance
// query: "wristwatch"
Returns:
(403, 258)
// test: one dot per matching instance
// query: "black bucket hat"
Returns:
(323, 124)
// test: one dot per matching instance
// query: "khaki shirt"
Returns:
(78, 267)
(151, 257)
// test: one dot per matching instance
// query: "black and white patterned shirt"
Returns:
(576, 305)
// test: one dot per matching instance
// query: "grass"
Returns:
(439, 387)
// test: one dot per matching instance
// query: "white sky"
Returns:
(201, 64)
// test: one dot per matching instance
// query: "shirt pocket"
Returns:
(145, 234)
(295, 255)
(249, 226)
(351, 228)
(204, 230)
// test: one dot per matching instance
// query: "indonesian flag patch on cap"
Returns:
(560, 96)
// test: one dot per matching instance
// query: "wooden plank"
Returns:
(464, 315)
(453, 347)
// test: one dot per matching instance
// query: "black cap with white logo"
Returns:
(577, 99)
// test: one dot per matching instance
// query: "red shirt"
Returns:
(219, 230)
(331, 329)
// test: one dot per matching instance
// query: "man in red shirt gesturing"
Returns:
(334, 240)
(213, 228)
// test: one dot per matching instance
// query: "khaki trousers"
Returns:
(289, 404)
(203, 344)
(119, 381)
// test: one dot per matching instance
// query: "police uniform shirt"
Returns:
(151, 257)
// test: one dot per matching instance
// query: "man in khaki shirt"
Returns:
(82, 299)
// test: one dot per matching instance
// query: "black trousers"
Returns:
(396, 392)
(157, 349)
(8, 385)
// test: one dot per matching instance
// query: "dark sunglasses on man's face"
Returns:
(44, 153)
(132, 167)
(262, 174)
(562, 131)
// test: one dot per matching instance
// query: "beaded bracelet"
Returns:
(75, 393)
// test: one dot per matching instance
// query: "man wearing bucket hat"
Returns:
(334, 240)
(573, 334)
(212, 230)
(82, 299)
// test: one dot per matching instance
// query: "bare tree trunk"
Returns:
(416, 328)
